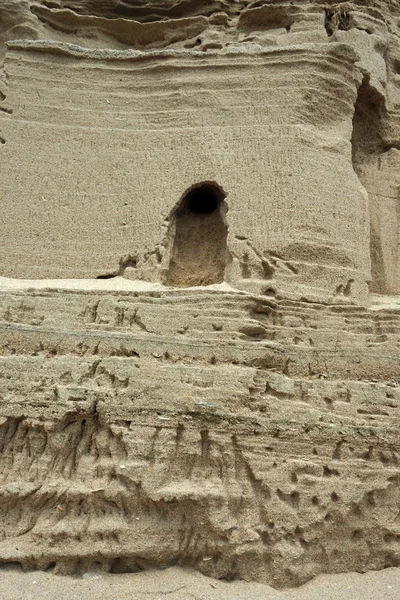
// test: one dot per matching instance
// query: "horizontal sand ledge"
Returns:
(117, 283)
(345, 51)
(112, 284)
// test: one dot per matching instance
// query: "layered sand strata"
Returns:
(246, 426)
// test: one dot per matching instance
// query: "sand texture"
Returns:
(179, 584)
(199, 294)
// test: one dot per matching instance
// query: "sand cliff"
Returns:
(210, 388)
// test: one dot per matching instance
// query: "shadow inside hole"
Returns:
(202, 200)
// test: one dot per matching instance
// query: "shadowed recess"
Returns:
(199, 230)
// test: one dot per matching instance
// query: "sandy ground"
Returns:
(179, 584)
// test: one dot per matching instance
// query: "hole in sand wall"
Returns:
(198, 226)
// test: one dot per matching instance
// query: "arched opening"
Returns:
(199, 251)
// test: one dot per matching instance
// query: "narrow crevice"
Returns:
(337, 18)
(367, 147)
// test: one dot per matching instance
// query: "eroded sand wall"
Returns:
(216, 430)
(248, 429)
(105, 162)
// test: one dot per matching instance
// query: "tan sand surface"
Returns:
(180, 584)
